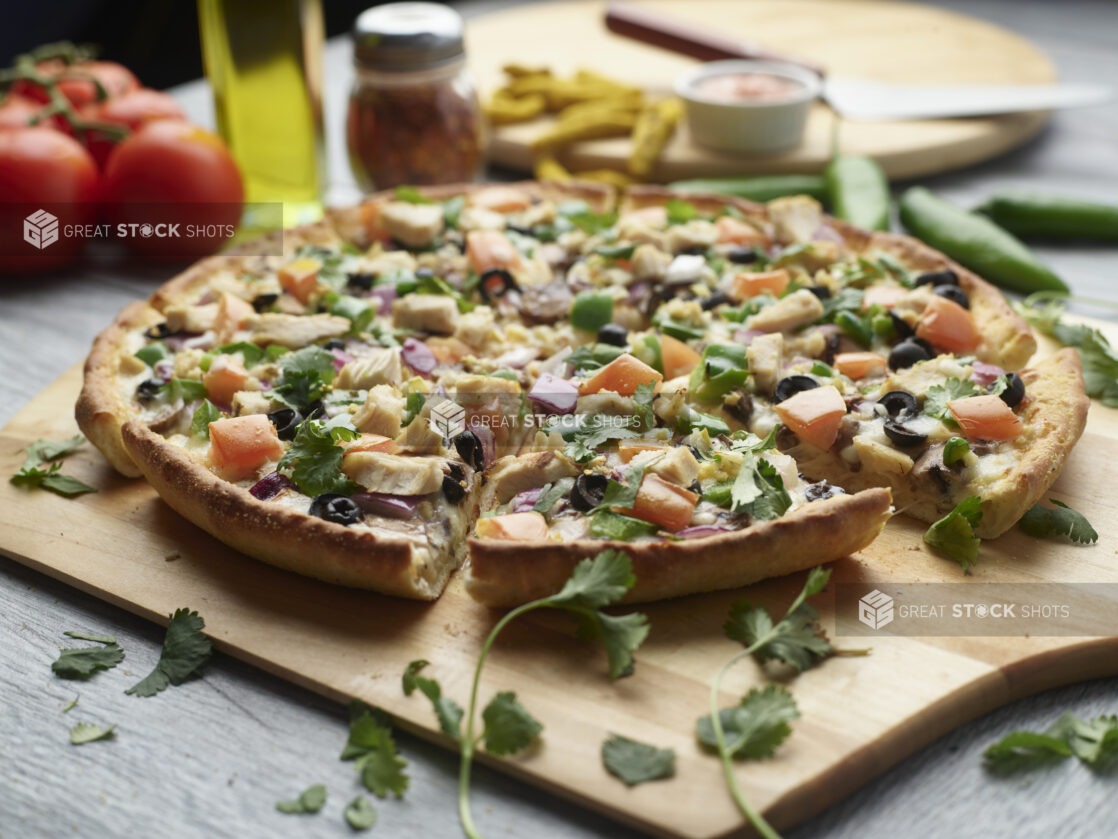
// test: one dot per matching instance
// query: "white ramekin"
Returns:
(747, 127)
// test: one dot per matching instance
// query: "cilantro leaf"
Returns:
(1021, 749)
(1060, 523)
(796, 640)
(616, 527)
(183, 390)
(304, 377)
(185, 652)
(310, 800)
(592, 356)
(413, 404)
(590, 222)
(754, 727)
(1091, 740)
(448, 712)
(624, 495)
(634, 762)
(937, 397)
(204, 414)
(551, 494)
(370, 744)
(359, 813)
(83, 662)
(759, 490)
(953, 535)
(509, 728)
(42, 452)
(411, 195)
(314, 459)
(680, 211)
(452, 209)
(620, 635)
(643, 398)
(86, 732)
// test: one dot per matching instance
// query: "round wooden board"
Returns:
(884, 41)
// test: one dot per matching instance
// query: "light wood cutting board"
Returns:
(874, 39)
(859, 715)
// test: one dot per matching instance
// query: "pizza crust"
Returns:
(501, 573)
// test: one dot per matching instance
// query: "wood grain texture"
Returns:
(887, 41)
(860, 715)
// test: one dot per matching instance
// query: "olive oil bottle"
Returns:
(264, 61)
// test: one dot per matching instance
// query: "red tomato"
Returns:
(16, 111)
(130, 110)
(171, 172)
(42, 174)
(76, 80)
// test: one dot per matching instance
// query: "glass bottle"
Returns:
(414, 116)
(264, 61)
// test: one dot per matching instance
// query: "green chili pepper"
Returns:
(955, 450)
(761, 188)
(591, 310)
(1032, 215)
(976, 242)
(858, 191)
(856, 328)
(152, 353)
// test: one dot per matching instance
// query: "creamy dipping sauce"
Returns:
(748, 87)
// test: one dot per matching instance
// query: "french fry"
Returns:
(547, 168)
(505, 108)
(605, 125)
(654, 127)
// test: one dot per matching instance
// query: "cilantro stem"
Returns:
(756, 819)
(468, 742)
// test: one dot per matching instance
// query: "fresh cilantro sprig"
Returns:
(1044, 310)
(83, 662)
(371, 746)
(46, 453)
(1092, 741)
(937, 397)
(304, 377)
(759, 721)
(954, 536)
(759, 490)
(314, 459)
(508, 727)
(185, 652)
(359, 813)
(635, 763)
(1060, 523)
(204, 414)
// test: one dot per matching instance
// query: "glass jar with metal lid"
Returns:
(414, 116)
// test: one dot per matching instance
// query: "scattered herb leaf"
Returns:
(310, 800)
(83, 662)
(43, 452)
(754, 727)
(634, 762)
(1060, 523)
(87, 732)
(185, 652)
(359, 813)
(953, 535)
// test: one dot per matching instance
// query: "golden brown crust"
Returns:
(1054, 413)
(100, 410)
(1007, 339)
(508, 573)
(280, 536)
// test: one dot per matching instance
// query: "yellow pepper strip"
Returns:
(516, 71)
(563, 92)
(606, 176)
(605, 125)
(505, 108)
(592, 77)
(547, 168)
(654, 127)
(591, 108)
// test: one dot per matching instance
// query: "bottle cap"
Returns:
(401, 37)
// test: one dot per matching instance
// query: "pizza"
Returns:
(511, 378)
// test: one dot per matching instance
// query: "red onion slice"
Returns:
(389, 506)
(701, 530)
(523, 502)
(985, 374)
(384, 295)
(745, 336)
(418, 356)
(553, 394)
(270, 486)
(341, 359)
(484, 435)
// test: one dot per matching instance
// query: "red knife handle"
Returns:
(670, 34)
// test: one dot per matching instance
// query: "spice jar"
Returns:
(414, 116)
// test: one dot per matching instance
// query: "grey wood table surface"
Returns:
(210, 758)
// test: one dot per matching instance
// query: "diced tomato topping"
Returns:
(628, 449)
(748, 284)
(814, 415)
(300, 277)
(737, 232)
(678, 358)
(859, 365)
(622, 375)
(224, 378)
(488, 249)
(663, 503)
(239, 446)
(985, 418)
(513, 526)
(947, 325)
(502, 199)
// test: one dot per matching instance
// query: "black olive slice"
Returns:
(454, 483)
(902, 436)
(494, 283)
(471, 451)
(907, 353)
(339, 509)
(263, 302)
(714, 300)
(900, 326)
(286, 421)
(742, 256)
(791, 385)
(897, 402)
(1014, 392)
(952, 293)
(820, 291)
(822, 490)
(362, 280)
(588, 491)
(158, 331)
(935, 278)
(148, 389)
(613, 334)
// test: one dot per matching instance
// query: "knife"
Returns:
(859, 99)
